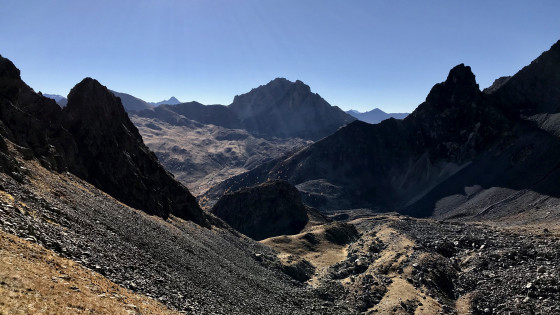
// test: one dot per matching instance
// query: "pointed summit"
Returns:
(173, 100)
(94, 104)
(113, 157)
(461, 75)
(459, 87)
(282, 108)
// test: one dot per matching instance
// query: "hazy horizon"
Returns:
(360, 55)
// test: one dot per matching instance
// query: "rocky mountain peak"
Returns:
(461, 75)
(112, 156)
(459, 87)
(283, 108)
(93, 101)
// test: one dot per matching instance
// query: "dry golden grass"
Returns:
(463, 304)
(34, 280)
(321, 253)
(391, 259)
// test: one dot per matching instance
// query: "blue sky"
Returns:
(356, 54)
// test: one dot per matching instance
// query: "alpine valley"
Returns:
(280, 203)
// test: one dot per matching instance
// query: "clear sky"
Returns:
(356, 54)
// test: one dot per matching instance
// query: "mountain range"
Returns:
(91, 222)
(79, 182)
(202, 145)
(59, 99)
(375, 115)
(461, 153)
(279, 109)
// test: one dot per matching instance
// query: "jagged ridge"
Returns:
(93, 138)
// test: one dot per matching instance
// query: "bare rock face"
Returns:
(270, 209)
(93, 138)
(114, 158)
(535, 89)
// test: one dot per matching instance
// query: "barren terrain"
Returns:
(202, 156)
(402, 265)
(184, 266)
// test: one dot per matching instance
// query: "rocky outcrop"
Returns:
(270, 209)
(535, 89)
(93, 138)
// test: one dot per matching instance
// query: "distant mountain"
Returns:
(203, 145)
(461, 153)
(132, 103)
(279, 109)
(375, 116)
(171, 101)
(285, 109)
(59, 99)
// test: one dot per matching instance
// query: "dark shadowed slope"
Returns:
(115, 159)
(270, 209)
(459, 148)
(93, 138)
